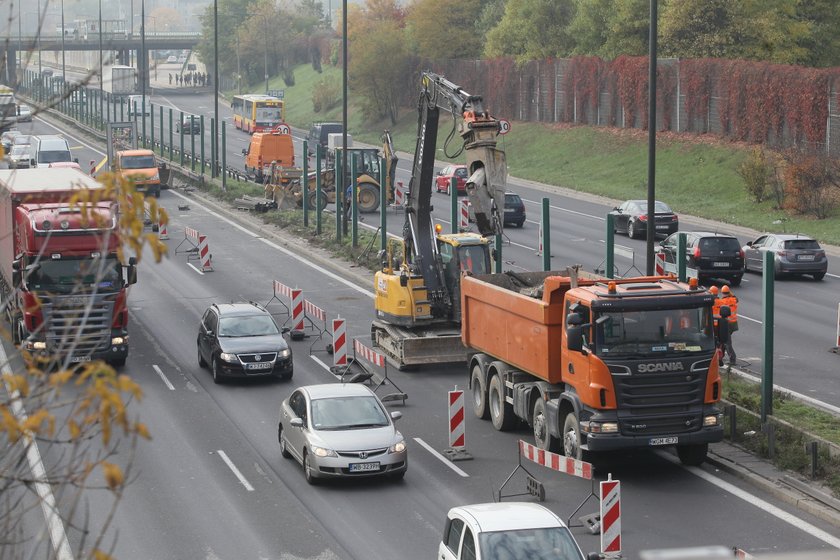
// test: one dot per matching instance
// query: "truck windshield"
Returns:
(64, 276)
(555, 543)
(138, 162)
(654, 332)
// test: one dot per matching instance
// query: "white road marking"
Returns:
(192, 266)
(443, 459)
(318, 360)
(789, 518)
(238, 474)
(560, 208)
(742, 316)
(810, 400)
(58, 535)
(163, 376)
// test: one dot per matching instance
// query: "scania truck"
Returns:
(593, 364)
(64, 288)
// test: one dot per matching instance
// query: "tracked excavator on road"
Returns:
(417, 289)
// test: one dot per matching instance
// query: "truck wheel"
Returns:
(692, 455)
(571, 437)
(312, 196)
(368, 197)
(479, 392)
(542, 433)
(501, 413)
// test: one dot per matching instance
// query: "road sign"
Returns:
(504, 126)
(278, 93)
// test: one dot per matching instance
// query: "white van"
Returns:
(136, 102)
(48, 149)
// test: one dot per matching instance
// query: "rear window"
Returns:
(512, 200)
(659, 207)
(719, 244)
(801, 244)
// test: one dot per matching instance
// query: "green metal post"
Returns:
(122, 111)
(201, 124)
(681, 257)
(162, 145)
(609, 261)
(171, 137)
(318, 192)
(453, 204)
(304, 184)
(143, 119)
(192, 143)
(152, 124)
(339, 194)
(768, 280)
(111, 107)
(498, 241)
(354, 203)
(212, 140)
(546, 236)
(181, 132)
(383, 206)
(224, 159)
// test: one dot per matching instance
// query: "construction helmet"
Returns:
(713, 290)
(725, 290)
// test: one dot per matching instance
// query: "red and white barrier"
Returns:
(838, 327)
(463, 214)
(610, 516)
(297, 310)
(313, 311)
(339, 334)
(659, 264)
(162, 233)
(742, 555)
(553, 461)
(457, 428)
(92, 167)
(280, 288)
(203, 248)
(399, 194)
(369, 354)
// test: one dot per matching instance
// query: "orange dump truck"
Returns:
(593, 364)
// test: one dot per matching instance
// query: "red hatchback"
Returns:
(444, 178)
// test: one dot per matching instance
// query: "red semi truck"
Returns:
(593, 364)
(64, 288)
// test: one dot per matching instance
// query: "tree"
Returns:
(699, 29)
(532, 30)
(490, 16)
(232, 14)
(80, 418)
(628, 29)
(822, 44)
(450, 36)
(590, 26)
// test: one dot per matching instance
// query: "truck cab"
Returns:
(140, 167)
(267, 148)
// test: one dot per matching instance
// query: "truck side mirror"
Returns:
(132, 274)
(15, 273)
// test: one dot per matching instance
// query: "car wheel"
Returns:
(283, 450)
(542, 433)
(217, 375)
(307, 470)
(692, 455)
(631, 230)
(479, 392)
(818, 276)
(736, 281)
(501, 412)
(572, 438)
(201, 363)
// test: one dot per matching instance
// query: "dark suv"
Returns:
(320, 132)
(514, 210)
(708, 255)
(242, 340)
(191, 124)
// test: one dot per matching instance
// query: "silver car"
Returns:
(341, 430)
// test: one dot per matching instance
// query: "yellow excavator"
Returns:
(418, 295)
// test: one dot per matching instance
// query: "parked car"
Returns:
(793, 254)
(341, 430)
(514, 210)
(445, 175)
(631, 218)
(171, 59)
(319, 133)
(709, 255)
(242, 340)
(190, 124)
(509, 530)
(24, 113)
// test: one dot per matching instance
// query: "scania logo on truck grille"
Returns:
(661, 366)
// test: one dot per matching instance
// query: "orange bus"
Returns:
(257, 113)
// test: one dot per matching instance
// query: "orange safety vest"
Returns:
(716, 309)
(732, 302)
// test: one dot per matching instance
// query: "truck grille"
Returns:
(660, 403)
(70, 331)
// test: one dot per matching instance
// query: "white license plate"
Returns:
(663, 440)
(264, 365)
(720, 264)
(662, 227)
(508, 210)
(77, 359)
(805, 258)
(364, 467)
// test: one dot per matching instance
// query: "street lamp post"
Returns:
(101, 64)
(214, 147)
(38, 32)
(63, 50)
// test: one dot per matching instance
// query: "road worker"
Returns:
(728, 299)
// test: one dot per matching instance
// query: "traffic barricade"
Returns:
(457, 450)
(311, 312)
(199, 248)
(836, 348)
(368, 365)
(463, 215)
(399, 196)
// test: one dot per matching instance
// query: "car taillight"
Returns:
(697, 252)
(676, 218)
(820, 254)
(643, 218)
(781, 253)
(741, 253)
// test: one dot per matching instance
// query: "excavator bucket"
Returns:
(486, 187)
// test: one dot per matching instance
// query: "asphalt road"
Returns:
(212, 483)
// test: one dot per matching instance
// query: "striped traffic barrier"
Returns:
(200, 248)
(837, 338)
(463, 215)
(555, 462)
(368, 354)
(610, 516)
(163, 234)
(339, 335)
(297, 310)
(457, 450)
(659, 264)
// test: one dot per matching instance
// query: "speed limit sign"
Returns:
(504, 126)
(282, 128)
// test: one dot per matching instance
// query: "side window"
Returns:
(468, 548)
(761, 241)
(298, 404)
(210, 320)
(452, 535)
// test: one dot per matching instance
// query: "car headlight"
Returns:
(230, 358)
(117, 340)
(285, 353)
(398, 447)
(323, 452)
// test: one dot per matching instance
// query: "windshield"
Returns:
(347, 413)
(253, 325)
(552, 543)
(52, 157)
(64, 276)
(473, 258)
(20, 149)
(268, 115)
(138, 162)
(651, 333)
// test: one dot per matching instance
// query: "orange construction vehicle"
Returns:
(593, 364)
(267, 148)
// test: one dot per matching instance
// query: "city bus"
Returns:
(257, 113)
